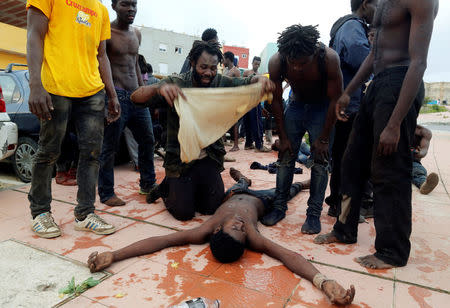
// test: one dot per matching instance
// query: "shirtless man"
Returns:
(383, 131)
(314, 73)
(122, 51)
(252, 120)
(232, 71)
(229, 231)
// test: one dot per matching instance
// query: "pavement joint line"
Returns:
(312, 261)
(439, 170)
(381, 277)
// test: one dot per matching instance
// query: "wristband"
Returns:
(319, 279)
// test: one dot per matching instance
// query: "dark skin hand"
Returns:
(402, 37)
(425, 136)
(238, 217)
(304, 77)
(40, 102)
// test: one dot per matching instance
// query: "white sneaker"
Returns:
(95, 224)
(44, 225)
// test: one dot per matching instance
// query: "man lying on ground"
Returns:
(230, 230)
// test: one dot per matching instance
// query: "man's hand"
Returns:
(170, 92)
(265, 113)
(282, 146)
(113, 110)
(320, 150)
(337, 294)
(40, 102)
(268, 86)
(97, 262)
(388, 141)
(341, 105)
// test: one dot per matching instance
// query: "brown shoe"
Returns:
(63, 178)
(114, 201)
(430, 184)
(237, 175)
(229, 159)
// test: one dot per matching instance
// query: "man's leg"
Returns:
(355, 170)
(248, 130)
(178, 196)
(51, 134)
(342, 133)
(293, 119)
(419, 174)
(111, 140)
(315, 115)
(88, 114)
(140, 124)
(132, 146)
(209, 187)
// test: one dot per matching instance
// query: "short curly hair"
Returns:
(225, 248)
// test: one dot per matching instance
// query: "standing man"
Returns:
(349, 38)
(122, 50)
(67, 80)
(314, 73)
(383, 131)
(253, 118)
(195, 186)
(209, 35)
(232, 71)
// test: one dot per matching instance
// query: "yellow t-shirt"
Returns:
(75, 30)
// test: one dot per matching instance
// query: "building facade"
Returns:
(438, 91)
(13, 34)
(268, 51)
(240, 53)
(165, 50)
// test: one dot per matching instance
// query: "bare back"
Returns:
(122, 49)
(392, 22)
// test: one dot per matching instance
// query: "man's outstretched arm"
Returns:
(300, 266)
(97, 262)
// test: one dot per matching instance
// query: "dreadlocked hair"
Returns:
(297, 41)
(200, 46)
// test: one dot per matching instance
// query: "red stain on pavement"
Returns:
(419, 296)
(85, 242)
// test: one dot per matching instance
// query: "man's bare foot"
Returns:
(234, 149)
(114, 201)
(370, 261)
(337, 294)
(237, 175)
(97, 262)
(229, 159)
(327, 238)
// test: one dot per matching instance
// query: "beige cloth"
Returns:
(207, 114)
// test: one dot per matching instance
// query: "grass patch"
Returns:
(432, 109)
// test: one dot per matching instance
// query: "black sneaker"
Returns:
(154, 194)
(311, 225)
(332, 211)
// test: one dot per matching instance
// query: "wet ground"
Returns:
(256, 280)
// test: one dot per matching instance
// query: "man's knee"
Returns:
(181, 213)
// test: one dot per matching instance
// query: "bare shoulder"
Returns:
(332, 60)
(275, 67)
(422, 6)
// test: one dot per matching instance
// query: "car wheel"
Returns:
(24, 158)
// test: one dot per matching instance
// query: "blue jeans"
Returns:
(419, 174)
(87, 114)
(304, 153)
(253, 127)
(300, 118)
(138, 120)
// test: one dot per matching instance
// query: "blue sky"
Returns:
(253, 24)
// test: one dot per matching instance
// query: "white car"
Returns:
(8, 136)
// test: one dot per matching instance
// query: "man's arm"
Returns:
(320, 147)
(277, 103)
(138, 69)
(104, 67)
(299, 265)
(97, 262)
(361, 76)
(165, 89)
(40, 102)
(422, 15)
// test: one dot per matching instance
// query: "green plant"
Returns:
(432, 109)
(71, 288)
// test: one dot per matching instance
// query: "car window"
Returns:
(11, 92)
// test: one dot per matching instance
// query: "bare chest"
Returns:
(123, 43)
(390, 14)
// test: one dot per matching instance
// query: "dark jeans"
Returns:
(419, 174)
(200, 189)
(300, 118)
(267, 196)
(88, 116)
(390, 175)
(253, 127)
(138, 120)
(68, 157)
